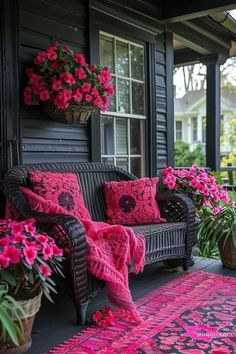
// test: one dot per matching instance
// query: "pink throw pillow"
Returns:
(132, 202)
(62, 189)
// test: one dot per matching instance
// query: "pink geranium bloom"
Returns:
(77, 95)
(97, 101)
(17, 228)
(47, 252)
(30, 228)
(44, 95)
(57, 85)
(40, 58)
(88, 98)
(46, 271)
(4, 261)
(86, 87)
(80, 73)
(18, 238)
(68, 78)
(97, 316)
(51, 53)
(30, 254)
(95, 92)
(57, 251)
(79, 59)
(4, 241)
(12, 253)
(41, 239)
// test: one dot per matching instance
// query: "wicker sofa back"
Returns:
(170, 240)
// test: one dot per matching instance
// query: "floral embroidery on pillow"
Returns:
(132, 202)
(62, 189)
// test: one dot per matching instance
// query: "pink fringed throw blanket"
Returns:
(111, 249)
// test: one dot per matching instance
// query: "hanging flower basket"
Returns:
(68, 87)
(73, 115)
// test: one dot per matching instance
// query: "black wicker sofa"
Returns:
(166, 241)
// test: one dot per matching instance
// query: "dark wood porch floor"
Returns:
(55, 323)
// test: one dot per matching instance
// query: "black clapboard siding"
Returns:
(161, 94)
(64, 142)
(41, 23)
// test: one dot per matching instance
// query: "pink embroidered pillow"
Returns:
(62, 189)
(132, 202)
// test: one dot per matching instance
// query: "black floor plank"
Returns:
(55, 323)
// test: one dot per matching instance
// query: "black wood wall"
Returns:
(43, 22)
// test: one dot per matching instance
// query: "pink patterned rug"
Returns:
(194, 314)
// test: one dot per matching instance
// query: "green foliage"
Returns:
(10, 312)
(216, 228)
(185, 158)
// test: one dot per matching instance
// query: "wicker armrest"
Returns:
(179, 207)
(176, 206)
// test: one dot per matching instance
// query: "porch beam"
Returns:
(180, 10)
(213, 112)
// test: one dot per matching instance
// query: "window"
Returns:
(178, 130)
(194, 128)
(123, 126)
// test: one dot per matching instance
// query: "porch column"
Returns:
(9, 85)
(213, 112)
(9, 90)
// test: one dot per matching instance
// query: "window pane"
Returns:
(137, 98)
(107, 136)
(122, 59)
(203, 129)
(121, 136)
(194, 128)
(137, 63)
(108, 160)
(107, 52)
(178, 130)
(112, 98)
(123, 96)
(122, 162)
(135, 137)
(135, 166)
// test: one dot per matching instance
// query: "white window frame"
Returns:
(127, 116)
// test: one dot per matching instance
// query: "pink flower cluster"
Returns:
(196, 182)
(67, 80)
(30, 256)
(105, 317)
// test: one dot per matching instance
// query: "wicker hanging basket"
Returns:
(73, 115)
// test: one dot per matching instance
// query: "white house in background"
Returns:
(190, 117)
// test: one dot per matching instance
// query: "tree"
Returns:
(186, 158)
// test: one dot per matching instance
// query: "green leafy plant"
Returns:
(215, 229)
(10, 325)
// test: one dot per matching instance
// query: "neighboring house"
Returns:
(190, 118)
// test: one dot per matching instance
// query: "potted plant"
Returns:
(69, 88)
(220, 230)
(27, 260)
(207, 193)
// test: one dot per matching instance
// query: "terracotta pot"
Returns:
(30, 307)
(78, 114)
(228, 253)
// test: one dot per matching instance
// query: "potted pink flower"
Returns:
(204, 188)
(27, 260)
(67, 85)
